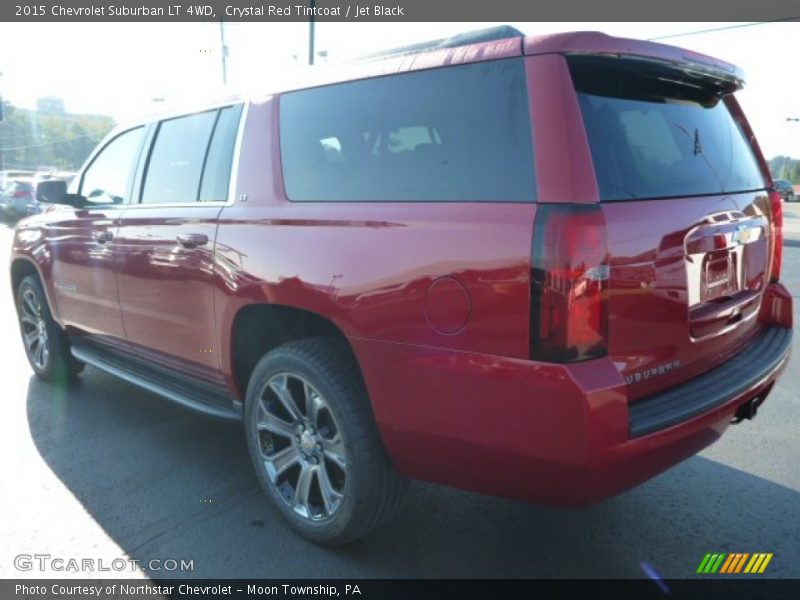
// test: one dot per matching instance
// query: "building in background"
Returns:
(50, 105)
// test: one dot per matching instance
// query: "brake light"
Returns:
(20, 194)
(569, 282)
(776, 208)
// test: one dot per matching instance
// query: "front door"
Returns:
(83, 241)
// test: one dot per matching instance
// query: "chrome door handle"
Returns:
(103, 236)
(192, 240)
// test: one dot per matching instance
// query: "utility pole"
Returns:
(312, 4)
(2, 118)
(785, 170)
(223, 52)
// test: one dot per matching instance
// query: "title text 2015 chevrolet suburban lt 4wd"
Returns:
(546, 268)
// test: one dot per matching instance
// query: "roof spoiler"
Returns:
(600, 44)
(479, 36)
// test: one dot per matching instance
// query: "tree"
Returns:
(795, 175)
(785, 167)
(30, 139)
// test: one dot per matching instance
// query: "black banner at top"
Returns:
(277, 11)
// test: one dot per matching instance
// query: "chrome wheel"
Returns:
(301, 446)
(34, 329)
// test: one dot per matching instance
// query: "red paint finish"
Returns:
(166, 289)
(564, 170)
(382, 294)
(80, 255)
(435, 298)
(652, 322)
(533, 431)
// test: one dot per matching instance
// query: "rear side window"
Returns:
(656, 134)
(452, 134)
(217, 171)
(191, 158)
(176, 161)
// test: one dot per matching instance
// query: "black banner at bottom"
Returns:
(388, 589)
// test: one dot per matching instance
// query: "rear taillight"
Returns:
(20, 194)
(776, 208)
(569, 282)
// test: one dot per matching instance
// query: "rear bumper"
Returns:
(744, 372)
(555, 434)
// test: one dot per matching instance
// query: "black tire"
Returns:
(54, 362)
(341, 419)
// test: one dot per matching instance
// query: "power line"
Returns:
(724, 28)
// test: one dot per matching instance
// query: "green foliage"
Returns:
(30, 139)
(785, 167)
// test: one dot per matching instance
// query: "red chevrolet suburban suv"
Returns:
(546, 268)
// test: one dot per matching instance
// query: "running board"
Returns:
(202, 397)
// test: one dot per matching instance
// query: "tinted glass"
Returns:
(217, 172)
(657, 133)
(176, 161)
(108, 179)
(452, 134)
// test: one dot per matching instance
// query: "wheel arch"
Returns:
(258, 328)
(21, 267)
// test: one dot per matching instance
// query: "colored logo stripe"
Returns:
(758, 563)
(735, 562)
(727, 564)
(710, 563)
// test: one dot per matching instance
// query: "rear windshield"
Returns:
(658, 135)
(452, 134)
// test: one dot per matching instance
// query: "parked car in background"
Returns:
(546, 267)
(19, 202)
(784, 188)
(18, 198)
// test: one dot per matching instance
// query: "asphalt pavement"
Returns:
(104, 470)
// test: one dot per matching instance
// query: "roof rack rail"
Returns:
(490, 34)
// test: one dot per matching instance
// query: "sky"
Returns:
(128, 69)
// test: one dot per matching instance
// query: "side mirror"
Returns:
(51, 191)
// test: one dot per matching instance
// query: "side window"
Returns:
(459, 133)
(176, 159)
(108, 179)
(217, 171)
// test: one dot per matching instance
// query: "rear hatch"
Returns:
(687, 212)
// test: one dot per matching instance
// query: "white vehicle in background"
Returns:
(9, 175)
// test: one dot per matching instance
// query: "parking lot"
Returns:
(104, 470)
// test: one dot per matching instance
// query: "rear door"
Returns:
(687, 214)
(166, 242)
